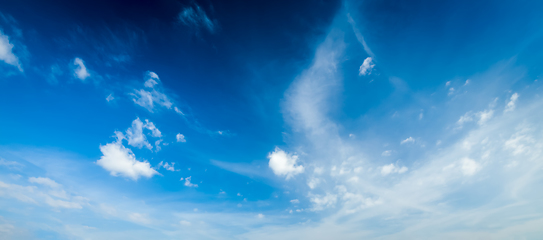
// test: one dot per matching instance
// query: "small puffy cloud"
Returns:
(283, 164)
(188, 183)
(44, 181)
(180, 138)
(260, 215)
(386, 153)
(137, 138)
(392, 168)
(294, 201)
(167, 166)
(80, 71)
(195, 17)
(322, 202)
(6, 52)
(120, 161)
(408, 140)
(366, 67)
(511, 104)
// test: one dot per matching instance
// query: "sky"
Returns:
(374, 119)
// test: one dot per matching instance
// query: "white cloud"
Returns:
(137, 138)
(139, 218)
(392, 168)
(120, 161)
(180, 138)
(469, 166)
(322, 202)
(313, 182)
(110, 97)
(185, 223)
(6, 52)
(260, 215)
(195, 17)
(294, 201)
(167, 166)
(44, 181)
(366, 67)
(386, 153)
(408, 140)
(188, 183)
(283, 164)
(511, 104)
(80, 71)
(151, 96)
(484, 116)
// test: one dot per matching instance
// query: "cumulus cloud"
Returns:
(366, 67)
(284, 164)
(167, 166)
(6, 52)
(321, 202)
(137, 138)
(392, 168)
(180, 138)
(511, 104)
(189, 184)
(120, 161)
(195, 17)
(80, 71)
(408, 140)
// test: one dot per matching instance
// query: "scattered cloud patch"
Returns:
(44, 181)
(151, 96)
(195, 17)
(294, 201)
(167, 166)
(80, 71)
(408, 140)
(188, 183)
(392, 168)
(120, 161)
(322, 202)
(110, 97)
(366, 67)
(180, 138)
(6, 52)
(284, 164)
(386, 153)
(511, 104)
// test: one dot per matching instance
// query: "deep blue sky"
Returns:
(271, 120)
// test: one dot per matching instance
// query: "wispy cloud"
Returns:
(196, 18)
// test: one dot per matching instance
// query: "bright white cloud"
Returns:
(284, 164)
(180, 138)
(120, 161)
(136, 136)
(294, 201)
(408, 140)
(80, 71)
(6, 52)
(366, 67)
(511, 104)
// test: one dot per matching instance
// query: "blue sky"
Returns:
(271, 120)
